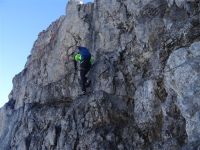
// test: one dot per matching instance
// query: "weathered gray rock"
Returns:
(145, 80)
(182, 76)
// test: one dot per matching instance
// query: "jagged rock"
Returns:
(182, 76)
(144, 92)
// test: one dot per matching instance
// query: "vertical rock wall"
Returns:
(145, 80)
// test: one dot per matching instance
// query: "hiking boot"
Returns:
(88, 83)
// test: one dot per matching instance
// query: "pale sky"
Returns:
(20, 23)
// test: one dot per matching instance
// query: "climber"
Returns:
(84, 57)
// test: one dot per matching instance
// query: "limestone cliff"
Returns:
(145, 91)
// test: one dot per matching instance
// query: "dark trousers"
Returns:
(83, 72)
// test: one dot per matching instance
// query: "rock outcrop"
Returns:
(145, 90)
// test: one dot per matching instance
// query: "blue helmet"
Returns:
(84, 52)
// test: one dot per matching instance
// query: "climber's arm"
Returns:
(77, 58)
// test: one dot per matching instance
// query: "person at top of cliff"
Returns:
(84, 58)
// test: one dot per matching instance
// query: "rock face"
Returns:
(145, 91)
